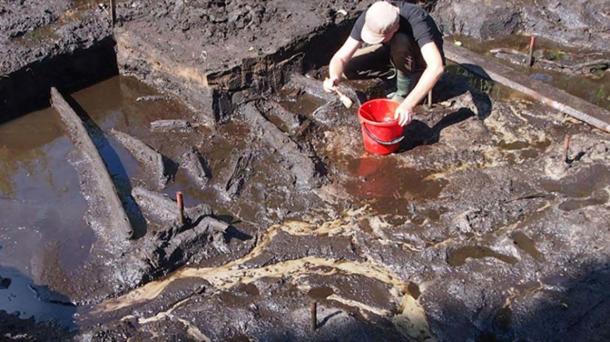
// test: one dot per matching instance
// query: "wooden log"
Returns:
(302, 163)
(539, 91)
(196, 167)
(79, 135)
(155, 164)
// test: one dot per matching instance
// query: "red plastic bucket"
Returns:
(381, 133)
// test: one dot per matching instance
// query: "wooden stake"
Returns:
(180, 200)
(530, 56)
(430, 99)
(314, 315)
(566, 148)
(112, 12)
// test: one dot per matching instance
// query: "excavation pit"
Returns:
(477, 215)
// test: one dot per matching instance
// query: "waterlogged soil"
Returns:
(485, 225)
(387, 246)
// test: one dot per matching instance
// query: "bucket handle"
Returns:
(379, 141)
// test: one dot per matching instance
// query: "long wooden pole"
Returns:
(539, 91)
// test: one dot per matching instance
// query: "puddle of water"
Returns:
(392, 187)
(524, 149)
(580, 185)
(414, 290)
(592, 89)
(34, 168)
(491, 88)
(459, 256)
(598, 198)
(528, 245)
(320, 293)
(36, 36)
(43, 232)
(48, 32)
(303, 103)
(85, 4)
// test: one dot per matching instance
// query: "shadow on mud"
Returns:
(115, 169)
(566, 309)
(452, 86)
(419, 133)
(457, 81)
(27, 90)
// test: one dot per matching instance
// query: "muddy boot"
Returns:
(403, 83)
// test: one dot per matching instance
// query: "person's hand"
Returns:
(330, 84)
(404, 113)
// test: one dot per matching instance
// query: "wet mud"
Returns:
(484, 225)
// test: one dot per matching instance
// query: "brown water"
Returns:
(387, 186)
(459, 256)
(43, 232)
(528, 245)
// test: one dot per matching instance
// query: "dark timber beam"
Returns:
(79, 135)
(545, 93)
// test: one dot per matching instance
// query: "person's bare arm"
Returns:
(339, 61)
(431, 75)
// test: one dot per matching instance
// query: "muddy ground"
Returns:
(485, 225)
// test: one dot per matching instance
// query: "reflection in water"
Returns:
(26, 299)
(44, 237)
(389, 186)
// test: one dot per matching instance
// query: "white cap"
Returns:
(380, 19)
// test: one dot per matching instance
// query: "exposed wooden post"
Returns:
(430, 99)
(112, 12)
(313, 309)
(530, 56)
(180, 200)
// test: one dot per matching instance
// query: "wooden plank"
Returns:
(79, 135)
(543, 92)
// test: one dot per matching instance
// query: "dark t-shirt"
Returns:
(414, 22)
